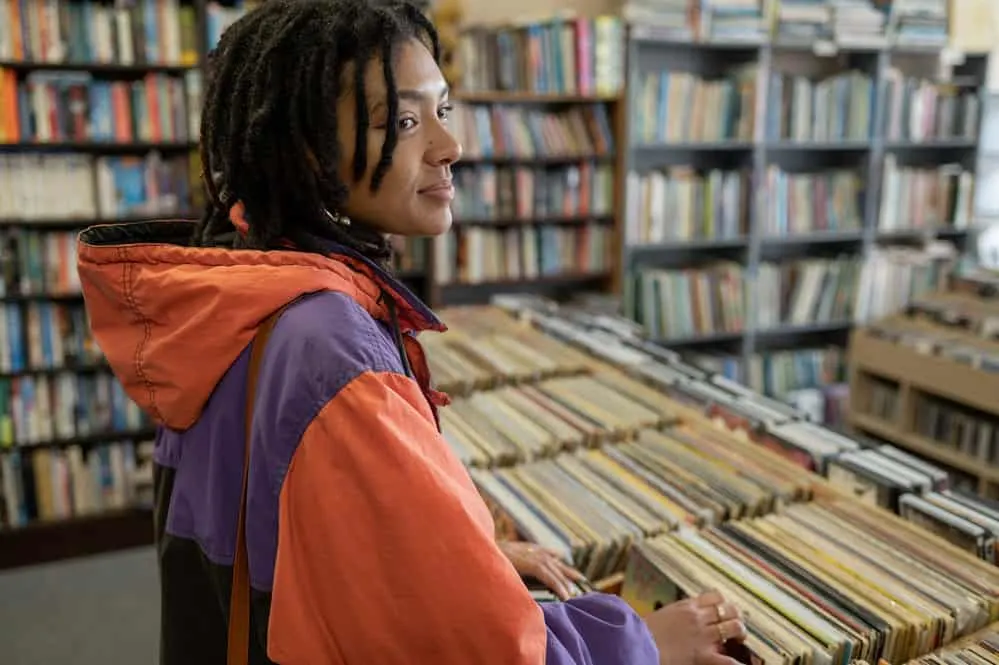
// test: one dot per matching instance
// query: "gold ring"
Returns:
(721, 612)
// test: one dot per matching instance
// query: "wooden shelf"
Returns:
(100, 68)
(100, 147)
(527, 97)
(93, 439)
(535, 221)
(75, 223)
(552, 286)
(923, 446)
(513, 160)
(927, 373)
(79, 536)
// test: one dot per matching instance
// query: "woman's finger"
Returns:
(721, 613)
(732, 629)
(570, 572)
(566, 588)
(552, 580)
(709, 598)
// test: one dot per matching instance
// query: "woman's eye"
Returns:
(407, 123)
(444, 111)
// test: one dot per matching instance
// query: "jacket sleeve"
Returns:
(386, 554)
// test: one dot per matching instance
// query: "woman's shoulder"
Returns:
(327, 339)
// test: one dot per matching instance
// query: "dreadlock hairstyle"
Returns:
(269, 124)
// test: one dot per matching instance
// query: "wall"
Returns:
(505, 11)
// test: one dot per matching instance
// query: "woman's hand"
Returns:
(544, 565)
(694, 631)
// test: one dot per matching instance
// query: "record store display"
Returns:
(631, 462)
(825, 583)
(591, 505)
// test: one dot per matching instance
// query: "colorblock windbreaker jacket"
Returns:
(367, 542)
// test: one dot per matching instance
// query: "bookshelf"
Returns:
(924, 380)
(104, 103)
(772, 181)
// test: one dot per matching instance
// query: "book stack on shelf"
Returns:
(102, 104)
(919, 22)
(537, 198)
(859, 23)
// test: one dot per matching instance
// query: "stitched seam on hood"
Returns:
(128, 284)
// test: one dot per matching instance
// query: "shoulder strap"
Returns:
(239, 601)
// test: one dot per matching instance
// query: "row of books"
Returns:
(957, 427)
(839, 107)
(811, 380)
(96, 188)
(33, 263)
(861, 23)
(53, 107)
(713, 298)
(489, 131)
(410, 254)
(681, 107)
(480, 254)
(797, 293)
(574, 56)
(54, 484)
(486, 192)
(895, 276)
(680, 203)
(42, 409)
(919, 109)
(830, 200)
(779, 373)
(682, 304)
(826, 582)
(45, 336)
(145, 32)
(926, 198)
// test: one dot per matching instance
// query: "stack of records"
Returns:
(591, 505)
(882, 476)
(981, 648)
(818, 585)
(963, 519)
(486, 347)
(520, 423)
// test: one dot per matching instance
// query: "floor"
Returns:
(102, 610)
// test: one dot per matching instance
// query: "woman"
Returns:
(324, 130)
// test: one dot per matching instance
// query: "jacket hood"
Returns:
(172, 319)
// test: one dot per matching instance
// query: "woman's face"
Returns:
(414, 198)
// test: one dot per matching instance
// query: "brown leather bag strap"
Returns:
(239, 601)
